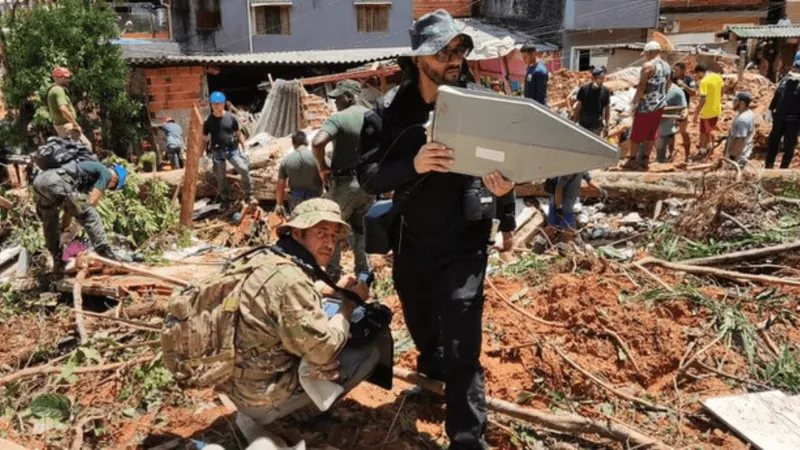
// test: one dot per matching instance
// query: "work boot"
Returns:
(58, 267)
(107, 252)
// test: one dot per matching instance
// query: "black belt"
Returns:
(344, 173)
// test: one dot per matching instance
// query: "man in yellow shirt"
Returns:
(710, 107)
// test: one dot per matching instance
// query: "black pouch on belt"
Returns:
(479, 203)
(378, 222)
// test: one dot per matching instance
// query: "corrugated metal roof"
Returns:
(483, 31)
(766, 31)
(147, 52)
(343, 56)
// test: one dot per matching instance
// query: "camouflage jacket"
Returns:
(281, 321)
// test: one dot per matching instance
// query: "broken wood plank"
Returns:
(260, 157)
(728, 274)
(746, 255)
(657, 186)
(193, 154)
(6, 203)
(768, 420)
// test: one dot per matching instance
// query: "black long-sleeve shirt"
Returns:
(434, 214)
(786, 101)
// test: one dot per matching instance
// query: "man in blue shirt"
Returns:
(536, 76)
(174, 135)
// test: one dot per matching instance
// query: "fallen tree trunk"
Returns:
(729, 274)
(568, 423)
(746, 255)
(263, 157)
(657, 186)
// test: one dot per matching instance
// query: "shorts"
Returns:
(708, 126)
(645, 126)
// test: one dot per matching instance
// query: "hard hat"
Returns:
(652, 46)
(59, 71)
(217, 97)
(122, 175)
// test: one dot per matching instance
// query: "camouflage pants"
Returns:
(355, 366)
(354, 203)
(54, 191)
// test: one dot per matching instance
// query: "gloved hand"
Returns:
(280, 210)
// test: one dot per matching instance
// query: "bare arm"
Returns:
(321, 139)
(607, 114)
(280, 192)
(699, 108)
(68, 115)
(576, 111)
(95, 196)
(647, 72)
(737, 147)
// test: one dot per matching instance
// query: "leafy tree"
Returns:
(79, 35)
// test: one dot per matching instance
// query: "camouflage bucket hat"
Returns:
(311, 212)
(344, 87)
(433, 31)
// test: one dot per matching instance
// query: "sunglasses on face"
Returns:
(448, 54)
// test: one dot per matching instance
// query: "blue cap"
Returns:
(599, 72)
(217, 97)
(797, 57)
(122, 175)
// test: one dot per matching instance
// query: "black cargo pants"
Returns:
(787, 130)
(441, 292)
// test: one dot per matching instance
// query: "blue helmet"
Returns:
(122, 175)
(217, 97)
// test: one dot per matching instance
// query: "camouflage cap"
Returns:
(345, 87)
(311, 212)
(433, 31)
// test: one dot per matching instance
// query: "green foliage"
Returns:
(26, 228)
(152, 380)
(526, 264)
(140, 210)
(784, 372)
(51, 406)
(76, 34)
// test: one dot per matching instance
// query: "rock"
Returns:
(631, 219)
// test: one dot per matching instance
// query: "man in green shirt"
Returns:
(344, 130)
(299, 169)
(62, 113)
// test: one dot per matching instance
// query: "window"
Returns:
(272, 19)
(208, 15)
(372, 18)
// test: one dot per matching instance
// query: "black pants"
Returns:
(442, 297)
(786, 130)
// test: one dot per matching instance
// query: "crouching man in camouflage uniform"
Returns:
(283, 322)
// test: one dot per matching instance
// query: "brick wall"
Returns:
(174, 88)
(716, 24)
(793, 10)
(458, 8)
(698, 4)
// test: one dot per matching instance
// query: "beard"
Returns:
(447, 77)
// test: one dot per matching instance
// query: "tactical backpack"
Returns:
(199, 335)
(59, 151)
(199, 332)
